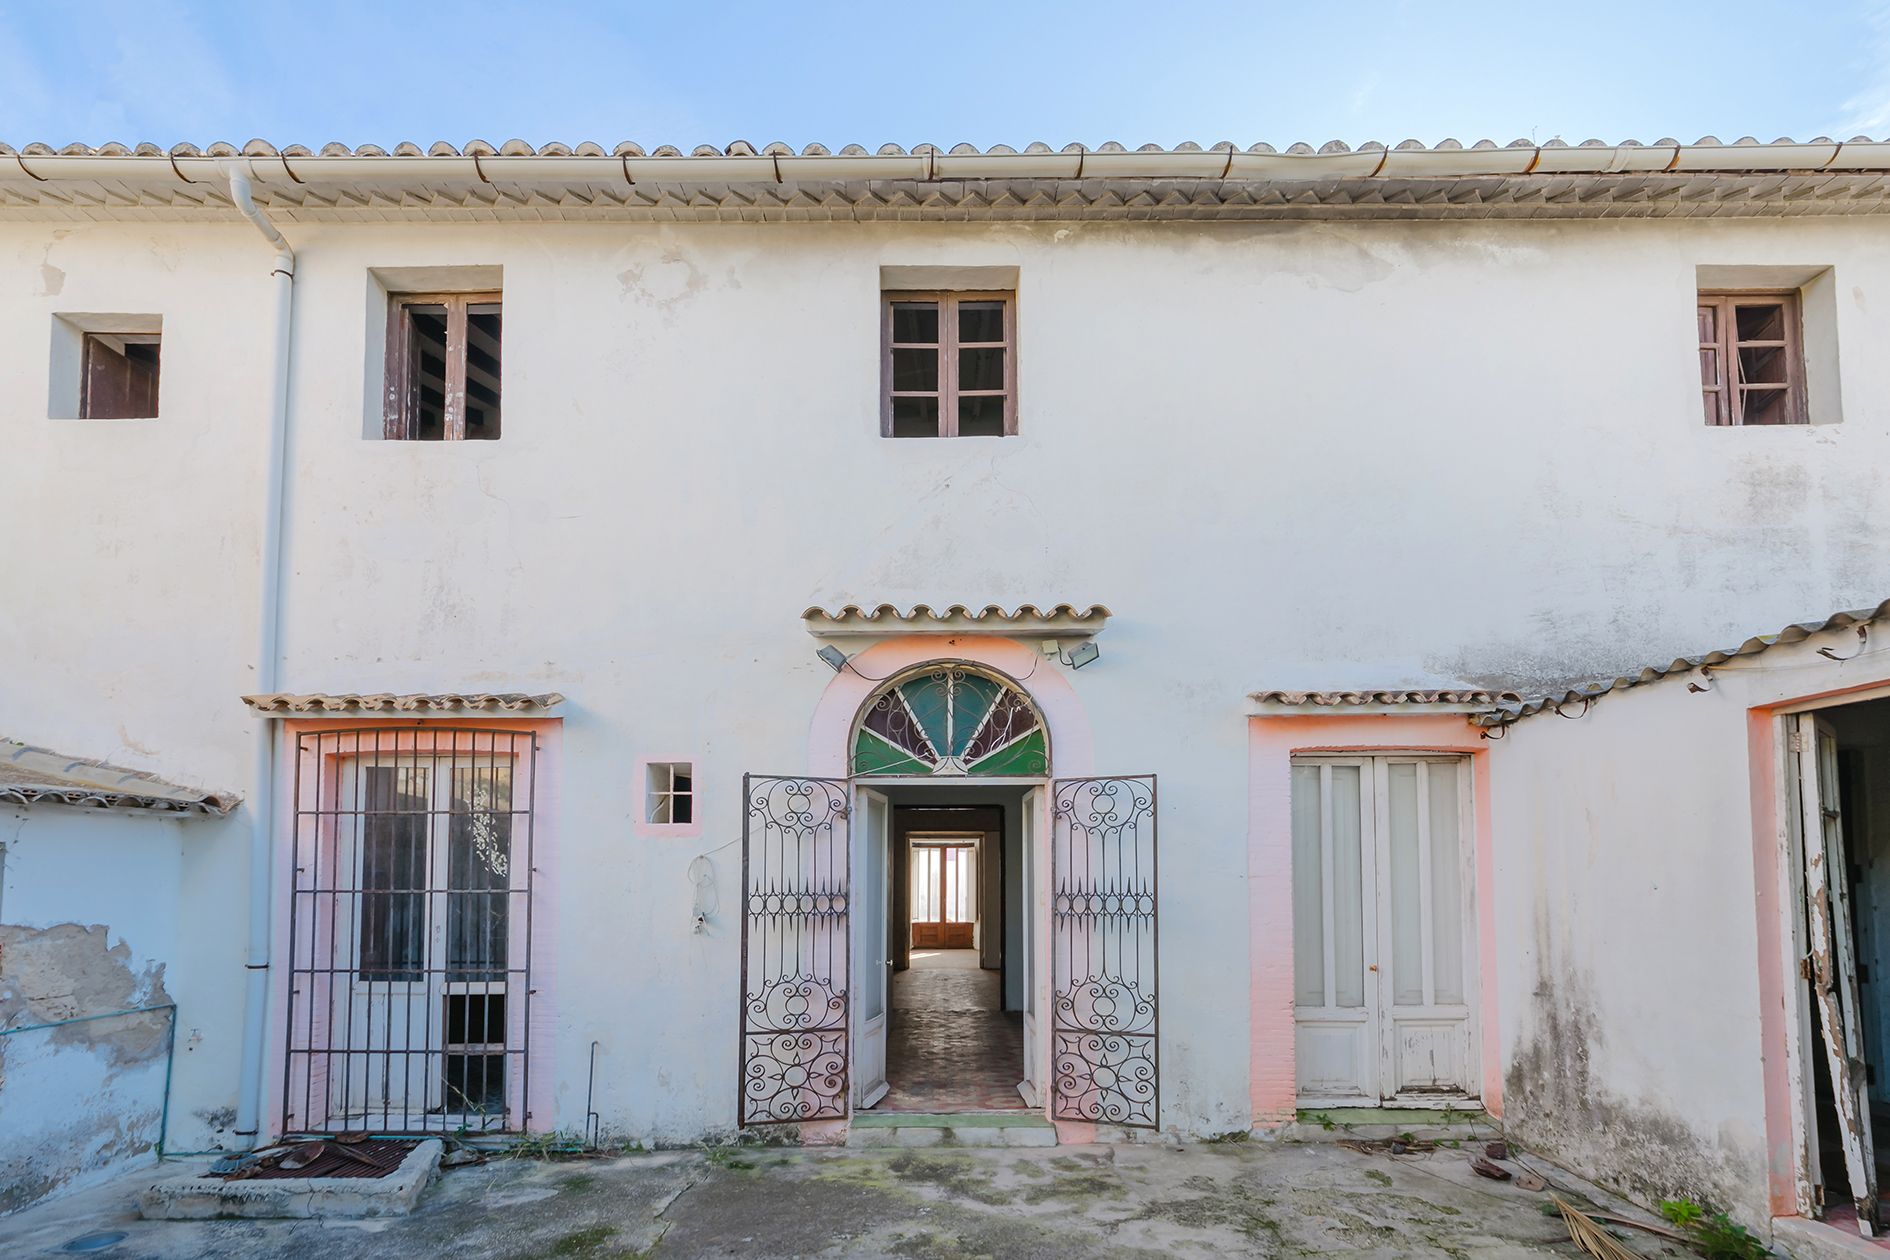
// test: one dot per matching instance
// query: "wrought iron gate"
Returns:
(794, 950)
(410, 906)
(1105, 1033)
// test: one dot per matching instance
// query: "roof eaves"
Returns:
(1587, 693)
(889, 619)
(283, 703)
(30, 775)
(1446, 699)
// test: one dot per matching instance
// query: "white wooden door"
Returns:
(872, 892)
(1383, 929)
(1036, 927)
(1833, 957)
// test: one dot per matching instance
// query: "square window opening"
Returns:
(669, 793)
(949, 364)
(105, 367)
(444, 367)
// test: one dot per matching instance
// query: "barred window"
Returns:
(410, 951)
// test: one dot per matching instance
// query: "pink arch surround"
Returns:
(830, 736)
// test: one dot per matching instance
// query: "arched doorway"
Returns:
(1051, 1006)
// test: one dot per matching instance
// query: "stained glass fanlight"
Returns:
(950, 720)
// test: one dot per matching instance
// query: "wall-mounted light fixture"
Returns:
(1077, 657)
(834, 657)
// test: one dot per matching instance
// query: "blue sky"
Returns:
(987, 73)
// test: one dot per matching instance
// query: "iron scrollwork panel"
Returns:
(794, 950)
(1105, 1033)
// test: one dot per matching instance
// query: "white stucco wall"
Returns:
(1630, 910)
(91, 903)
(1285, 455)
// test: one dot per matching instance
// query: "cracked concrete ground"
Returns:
(1258, 1199)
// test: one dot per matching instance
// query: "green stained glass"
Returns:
(1025, 756)
(873, 755)
(972, 698)
(930, 705)
(948, 719)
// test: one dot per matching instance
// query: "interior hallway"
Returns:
(952, 1046)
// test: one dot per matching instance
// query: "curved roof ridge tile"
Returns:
(412, 702)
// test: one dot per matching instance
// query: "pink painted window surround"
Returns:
(667, 801)
(315, 751)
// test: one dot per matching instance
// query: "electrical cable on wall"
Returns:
(702, 875)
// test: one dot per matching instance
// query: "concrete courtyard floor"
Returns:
(1237, 1198)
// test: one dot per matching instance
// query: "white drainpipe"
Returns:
(268, 649)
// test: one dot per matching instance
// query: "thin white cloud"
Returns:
(1867, 112)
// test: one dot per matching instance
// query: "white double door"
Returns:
(1384, 979)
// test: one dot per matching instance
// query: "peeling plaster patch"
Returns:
(664, 283)
(52, 280)
(55, 973)
(80, 1099)
(1555, 1102)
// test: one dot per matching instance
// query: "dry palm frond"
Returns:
(1588, 1234)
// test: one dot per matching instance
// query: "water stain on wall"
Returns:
(1555, 1102)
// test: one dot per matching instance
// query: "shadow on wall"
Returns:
(1554, 1102)
(79, 1097)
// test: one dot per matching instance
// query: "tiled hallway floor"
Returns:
(952, 1047)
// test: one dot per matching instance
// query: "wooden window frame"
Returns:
(90, 343)
(1727, 408)
(398, 421)
(948, 346)
(663, 799)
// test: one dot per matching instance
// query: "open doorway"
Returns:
(954, 947)
(1841, 762)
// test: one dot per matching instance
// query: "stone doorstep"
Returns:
(204, 1198)
(981, 1128)
(1373, 1123)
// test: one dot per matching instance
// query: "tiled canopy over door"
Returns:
(1382, 931)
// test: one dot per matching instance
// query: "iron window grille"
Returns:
(410, 915)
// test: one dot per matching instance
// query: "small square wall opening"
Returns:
(105, 367)
(669, 796)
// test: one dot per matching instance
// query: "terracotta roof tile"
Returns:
(33, 776)
(387, 702)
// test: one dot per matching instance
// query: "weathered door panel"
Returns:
(1035, 902)
(795, 888)
(1383, 934)
(872, 893)
(1423, 953)
(1335, 935)
(1833, 962)
(1105, 1033)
